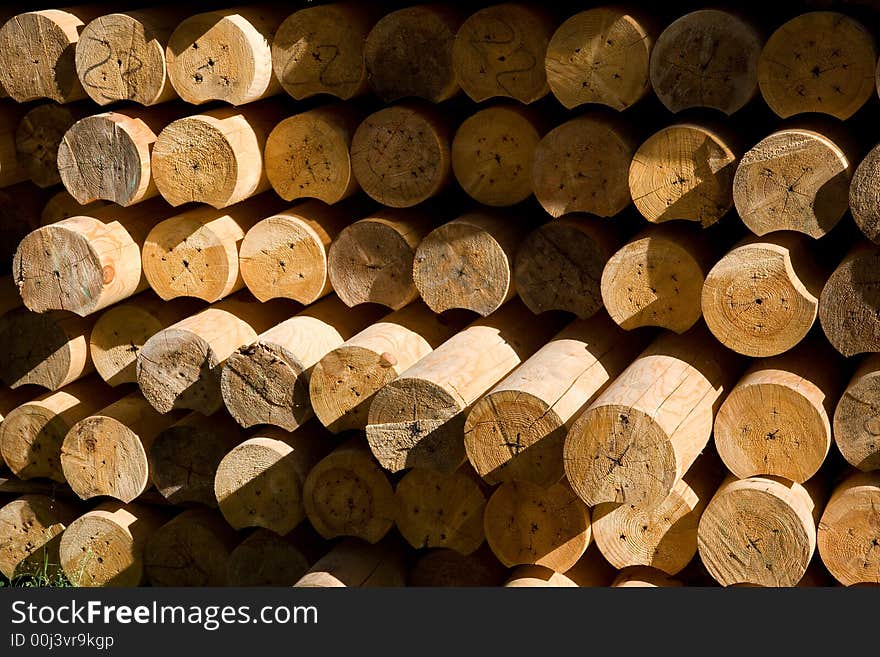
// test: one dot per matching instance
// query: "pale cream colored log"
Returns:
(762, 297)
(492, 154)
(636, 441)
(106, 453)
(529, 524)
(441, 510)
(357, 563)
(31, 435)
(777, 418)
(38, 135)
(468, 262)
(707, 58)
(583, 166)
(320, 50)
(121, 56)
(684, 171)
(121, 331)
(87, 262)
(348, 494)
(516, 431)
(760, 531)
(37, 47)
(267, 381)
(105, 546)
(285, 254)
(196, 253)
(857, 417)
(656, 279)
(192, 549)
(558, 266)
(371, 260)
(45, 349)
(409, 53)
(259, 483)
(601, 55)
(417, 419)
(343, 383)
(445, 567)
(794, 179)
(183, 459)
(225, 55)
(30, 532)
(180, 366)
(215, 157)
(308, 155)
(266, 559)
(400, 155)
(821, 61)
(661, 536)
(849, 301)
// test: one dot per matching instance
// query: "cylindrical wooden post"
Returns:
(558, 265)
(308, 154)
(184, 458)
(776, 420)
(857, 417)
(445, 567)
(105, 547)
(196, 253)
(759, 531)
(267, 381)
(662, 536)
(821, 61)
(658, 414)
(121, 56)
(707, 58)
(492, 155)
(528, 524)
(417, 419)
(266, 559)
(371, 260)
(794, 179)
(600, 55)
(516, 430)
(590, 570)
(88, 262)
(643, 577)
(409, 53)
(356, 563)
(121, 331)
(864, 195)
(849, 301)
(37, 137)
(259, 482)
(37, 59)
(320, 50)
(656, 279)
(762, 297)
(63, 206)
(227, 167)
(285, 254)
(441, 510)
(107, 156)
(190, 550)
(684, 171)
(46, 349)
(31, 435)
(225, 55)
(400, 155)
(500, 50)
(468, 262)
(30, 532)
(343, 383)
(180, 366)
(347, 494)
(106, 453)
(582, 166)
(848, 536)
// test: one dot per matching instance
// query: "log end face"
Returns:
(37, 138)
(96, 551)
(849, 301)
(190, 550)
(183, 461)
(30, 442)
(864, 195)
(117, 338)
(847, 536)
(38, 352)
(32, 526)
(856, 423)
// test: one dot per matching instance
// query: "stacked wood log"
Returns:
(435, 295)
